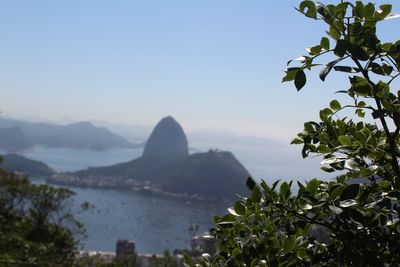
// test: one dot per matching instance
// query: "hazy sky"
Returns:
(209, 63)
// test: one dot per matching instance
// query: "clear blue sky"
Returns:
(210, 64)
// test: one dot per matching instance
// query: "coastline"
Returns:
(144, 188)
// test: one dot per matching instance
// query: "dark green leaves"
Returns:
(308, 8)
(335, 105)
(357, 52)
(250, 183)
(345, 140)
(383, 12)
(289, 243)
(328, 67)
(300, 80)
(324, 43)
(360, 86)
(359, 10)
(334, 32)
(290, 74)
(340, 48)
(240, 208)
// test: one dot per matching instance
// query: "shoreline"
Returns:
(142, 188)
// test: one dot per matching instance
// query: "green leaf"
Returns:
(345, 140)
(376, 68)
(340, 48)
(324, 149)
(346, 69)
(327, 169)
(275, 242)
(236, 253)
(312, 186)
(382, 89)
(388, 69)
(337, 192)
(240, 208)
(386, 104)
(315, 50)
(335, 210)
(347, 203)
(325, 114)
(359, 10)
(324, 43)
(216, 219)
(296, 141)
(357, 215)
(369, 10)
(300, 80)
(323, 11)
(365, 172)
(360, 113)
(256, 194)
(289, 243)
(188, 259)
(285, 190)
(290, 74)
(328, 67)
(361, 104)
(357, 52)
(360, 85)
(324, 137)
(334, 32)
(250, 183)
(378, 114)
(335, 105)
(308, 8)
(341, 10)
(351, 191)
(383, 12)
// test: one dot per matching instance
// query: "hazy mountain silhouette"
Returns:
(33, 168)
(166, 162)
(75, 135)
(167, 141)
(13, 139)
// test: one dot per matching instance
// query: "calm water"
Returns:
(156, 224)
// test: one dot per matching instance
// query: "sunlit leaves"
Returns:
(347, 203)
(345, 140)
(358, 210)
(383, 12)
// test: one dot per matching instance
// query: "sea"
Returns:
(155, 224)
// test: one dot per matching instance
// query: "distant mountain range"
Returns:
(16, 135)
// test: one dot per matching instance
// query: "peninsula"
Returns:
(166, 167)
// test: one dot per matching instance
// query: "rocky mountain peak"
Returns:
(167, 140)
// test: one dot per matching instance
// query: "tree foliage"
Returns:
(351, 220)
(36, 225)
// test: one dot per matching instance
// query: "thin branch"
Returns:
(393, 78)
(392, 144)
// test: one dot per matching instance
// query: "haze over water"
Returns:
(156, 224)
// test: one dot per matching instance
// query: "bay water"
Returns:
(156, 224)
